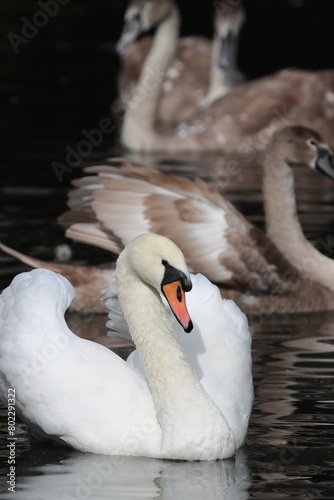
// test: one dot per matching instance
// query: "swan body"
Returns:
(218, 349)
(189, 82)
(81, 394)
(61, 381)
(243, 120)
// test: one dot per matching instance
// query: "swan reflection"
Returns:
(85, 475)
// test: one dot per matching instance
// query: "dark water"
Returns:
(288, 454)
(63, 82)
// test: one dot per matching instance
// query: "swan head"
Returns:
(303, 146)
(228, 21)
(158, 262)
(141, 16)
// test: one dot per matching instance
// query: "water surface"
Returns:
(288, 453)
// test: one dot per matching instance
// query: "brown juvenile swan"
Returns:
(189, 82)
(245, 118)
(284, 273)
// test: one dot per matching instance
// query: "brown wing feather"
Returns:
(133, 200)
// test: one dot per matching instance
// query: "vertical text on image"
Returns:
(11, 400)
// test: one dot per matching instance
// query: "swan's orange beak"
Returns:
(176, 297)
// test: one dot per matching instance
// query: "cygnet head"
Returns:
(228, 18)
(141, 16)
(302, 146)
(228, 21)
(158, 262)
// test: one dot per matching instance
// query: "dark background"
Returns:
(64, 80)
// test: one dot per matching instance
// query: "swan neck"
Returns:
(142, 109)
(282, 223)
(279, 197)
(172, 380)
(220, 78)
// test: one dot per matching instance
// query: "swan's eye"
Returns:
(313, 142)
(164, 262)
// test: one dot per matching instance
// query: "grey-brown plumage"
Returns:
(262, 274)
(259, 272)
(195, 76)
(242, 120)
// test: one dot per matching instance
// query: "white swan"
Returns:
(81, 394)
(218, 349)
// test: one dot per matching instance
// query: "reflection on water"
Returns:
(292, 423)
(293, 356)
(289, 451)
(84, 475)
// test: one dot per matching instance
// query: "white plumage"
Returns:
(81, 394)
(218, 348)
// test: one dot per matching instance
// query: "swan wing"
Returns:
(116, 321)
(67, 388)
(134, 200)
